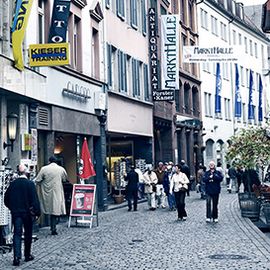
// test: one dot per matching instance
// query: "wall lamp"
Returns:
(11, 129)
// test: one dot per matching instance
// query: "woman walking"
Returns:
(179, 185)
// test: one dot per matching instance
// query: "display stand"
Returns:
(83, 204)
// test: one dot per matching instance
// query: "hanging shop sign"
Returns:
(49, 54)
(196, 54)
(169, 54)
(59, 21)
(83, 200)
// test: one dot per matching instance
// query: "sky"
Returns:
(252, 2)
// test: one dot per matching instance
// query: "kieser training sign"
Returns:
(83, 200)
(196, 54)
(53, 54)
(170, 53)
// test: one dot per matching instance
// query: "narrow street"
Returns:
(154, 240)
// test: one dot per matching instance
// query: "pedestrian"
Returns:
(52, 200)
(185, 169)
(170, 170)
(200, 174)
(160, 193)
(227, 176)
(22, 201)
(250, 178)
(239, 173)
(132, 179)
(212, 179)
(150, 180)
(179, 185)
(233, 178)
(141, 184)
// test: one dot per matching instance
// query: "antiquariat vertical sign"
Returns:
(153, 51)
(169, 55)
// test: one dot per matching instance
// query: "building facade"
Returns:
(56, 106)
(224, 23)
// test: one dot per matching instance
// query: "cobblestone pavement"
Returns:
(154, 240)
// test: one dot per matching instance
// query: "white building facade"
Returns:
(223, 23)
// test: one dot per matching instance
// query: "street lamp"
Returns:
(11, 129)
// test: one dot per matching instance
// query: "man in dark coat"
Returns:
(22, 200)
(132, 188)
(212, 179)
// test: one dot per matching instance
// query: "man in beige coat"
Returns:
(51, 193)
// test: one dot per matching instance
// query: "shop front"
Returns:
(129, 140)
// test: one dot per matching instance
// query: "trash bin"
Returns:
(250, 206)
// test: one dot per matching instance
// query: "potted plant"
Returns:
(250, 148)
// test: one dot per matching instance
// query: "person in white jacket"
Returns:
(150, 181)
(179, 185)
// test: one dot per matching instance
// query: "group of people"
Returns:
(173, 181)
(26, 201)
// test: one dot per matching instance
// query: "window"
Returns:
(263, 57)
(134, 13)
(187, 99)
(182, 11)
(223, 31)
(135, 78)
(227, 105)
(143, 17)
(95, 53)
(120, 8)
(41, 22)
(225, 71)
(214, 25)
(242, 76)
(109, 65)
(247, 77)
(208, 104)
(190, 14)
(251, 47)
(115, 82)
(246, 45)
(209, 149)
(244, 113)
(122, 71)
(206, 66)
(74, 38)
(204, 19)
(146, 84)
(177, 99)
(256, 50)
(240, 39)
(234, 37)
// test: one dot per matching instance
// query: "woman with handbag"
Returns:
(179, 185)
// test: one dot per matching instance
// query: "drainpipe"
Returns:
(6, 28)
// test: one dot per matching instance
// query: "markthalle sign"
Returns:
(169, 56)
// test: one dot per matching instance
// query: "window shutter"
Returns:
(134, 77)
(138, 78)
(143, 17)
(125, 72)
(119, 64)
(109, 69)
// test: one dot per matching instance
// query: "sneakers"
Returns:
(208, 220)
(184, 218)
(215, 220)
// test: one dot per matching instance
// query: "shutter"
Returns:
(109, 69)
(119, 64)
(43, 116)
(134, 77)
(138, 78)
(143, 17)
(125, 72)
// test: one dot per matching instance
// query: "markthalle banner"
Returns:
(59, 21)
(169, 55)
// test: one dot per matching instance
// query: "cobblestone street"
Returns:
(154, 240)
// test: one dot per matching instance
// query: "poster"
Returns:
(83, 200)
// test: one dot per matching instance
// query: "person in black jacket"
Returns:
(212, 179)
(132, 188)
(22, 200)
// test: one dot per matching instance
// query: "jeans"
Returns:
(212, 210)
(132, 195)
(21, 221)
(171, 201)
(180, 203)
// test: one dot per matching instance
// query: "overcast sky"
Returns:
(252, 2)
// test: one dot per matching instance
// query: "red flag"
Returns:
(88, 167)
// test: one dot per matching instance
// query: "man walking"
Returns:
(212, 179)
(132, 188)
(22, 200)
(52, 200)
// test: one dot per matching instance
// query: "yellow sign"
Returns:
(52, 54)
(22, 12)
